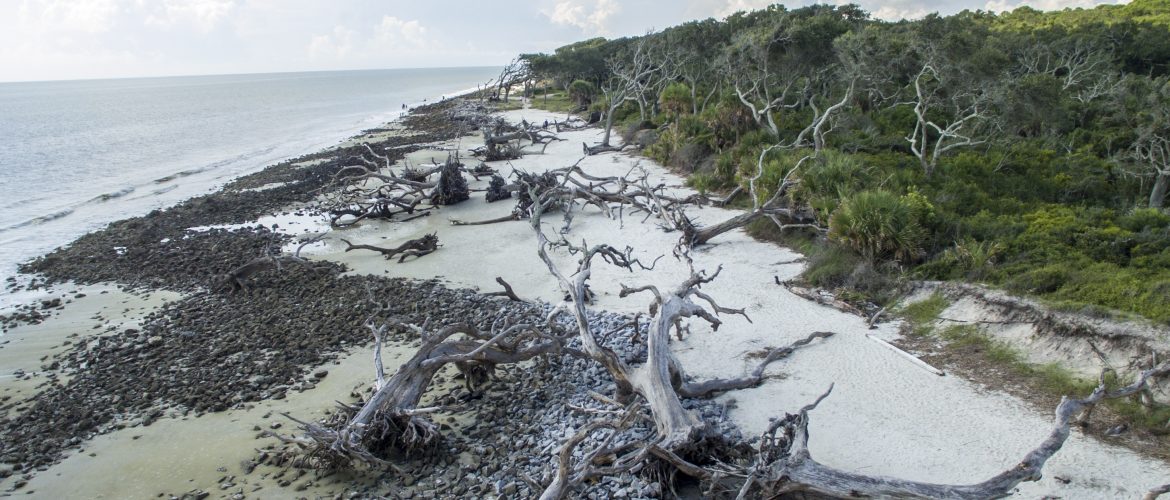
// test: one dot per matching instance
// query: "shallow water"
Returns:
(77, 155)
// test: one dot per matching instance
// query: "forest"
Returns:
(1026, 150)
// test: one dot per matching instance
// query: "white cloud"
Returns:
(589, 15)
(336, 45)
(730, 7)
(894, 13)
(1005, 5)
(391, 38)
(84, 16)
(393, 34)
(204, 15)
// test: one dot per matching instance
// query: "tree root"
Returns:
(417, 247)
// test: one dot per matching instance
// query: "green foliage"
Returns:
(1043, 204)
(967, 259)
(675, 99)
(830, 267)
(878, 224)
(582, 92)
(555, 102)
(925, 311)
(826, 180)
(1144, 219)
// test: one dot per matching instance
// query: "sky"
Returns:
(74, 39)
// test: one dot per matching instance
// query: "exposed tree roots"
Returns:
(417, 247)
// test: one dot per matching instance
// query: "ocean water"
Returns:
(77, 155)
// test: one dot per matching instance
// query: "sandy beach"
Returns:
(886, 415)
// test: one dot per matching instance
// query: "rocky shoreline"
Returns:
(213, 350)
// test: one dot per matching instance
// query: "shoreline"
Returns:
(170, 176)
(853, 430)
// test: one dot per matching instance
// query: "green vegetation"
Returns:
(1051, 378)
(555, 102)
(921, 313)
(1026, 150)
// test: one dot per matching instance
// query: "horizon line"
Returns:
(283, 72)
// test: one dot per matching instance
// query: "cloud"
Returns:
(393, 33)
(390, 38)
(730, 7)
(204, 15)
(336, 45)
(1006, 5)
(889, 10)
(591, 16)
(82, 16)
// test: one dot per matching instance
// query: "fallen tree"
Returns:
(648, 393)
(502, 140)
(273, 260)
(417, 247)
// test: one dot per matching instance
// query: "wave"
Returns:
(39, 219)
(111, 196)
(181, 174)
(215, 165)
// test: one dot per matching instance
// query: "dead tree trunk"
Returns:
(452, 187)
(391, 419)
(413, 248)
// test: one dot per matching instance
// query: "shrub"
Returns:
(877, 224)
(1043, 280)
(582, 92)
(830, 266)
(1141, 219)
(827, 179)
(969, 258)
(689, 157)
(926, 310)
(675, 99)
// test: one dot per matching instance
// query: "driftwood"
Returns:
(370, 190)
(1157, 492)
(660, 382)
(820, 298)
(502, 140)
(237, 278)
(601, 148)
(452, 187)
(391, 419)
(785, 218)
(498, 189)
(647, 392)
(508, 292)
(417, 247)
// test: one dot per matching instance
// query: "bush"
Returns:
(675, 99)
(826, 180)
(1141, 219)
(877, 224)
(830, 266)
(689, 157)
(582, 92)
(971, 259)
(1043, 280)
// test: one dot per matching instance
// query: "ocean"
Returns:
(77, 155)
